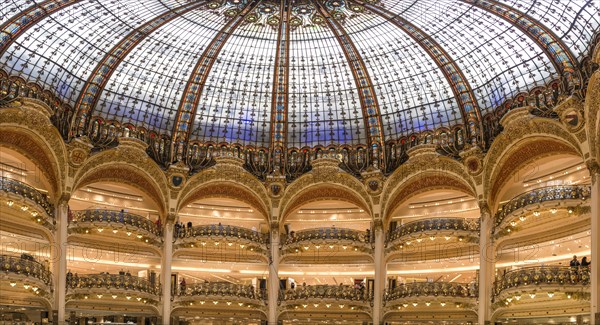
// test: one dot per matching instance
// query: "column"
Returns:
(594, 169)
(273, 284)
(487, 263)
(59, 259)
(380, 272)
(165, 271)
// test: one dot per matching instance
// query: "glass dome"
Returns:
(293, 73)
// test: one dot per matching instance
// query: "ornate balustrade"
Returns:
(27, 270)
(246, 239)
(326, 292)
(222, 231)
(225, 292)
(542, 276)
(466, 229)
(432, 289)
(130, 224)
(16, 190)
(104, 283)
(542, 195)
(346, 237)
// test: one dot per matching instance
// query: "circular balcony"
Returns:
(431, 295)
(24, 275)
(446, 236)
(116, 224)
(328, 241)
(112, 288)
(530, 206)
(327, 298)
(535, 289)
(28, 201)
(216, 295)
(224, 242)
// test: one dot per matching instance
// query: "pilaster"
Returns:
(59, 259)
(594, 168)
(487, 261)
(380, 271)
(165, 269)
(273, 284)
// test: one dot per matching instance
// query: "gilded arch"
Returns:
(523, 141)
(329, 181)
(224, 189)
(592, 108)
(423, 182)
(423, 172)
(26, 128)
(128, 166)
(228, 176)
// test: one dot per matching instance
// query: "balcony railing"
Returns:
(116, 220)
(542, 275)
(220, 290)
(432, 289)
(327, 234)
(10, 185)
(222, 231)
(435, 225)
(337, 292)
(27, 267)
(541, 195)
(112, 281)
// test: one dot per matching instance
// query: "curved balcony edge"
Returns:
(132, 225)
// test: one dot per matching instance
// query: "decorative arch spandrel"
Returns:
(26, 128)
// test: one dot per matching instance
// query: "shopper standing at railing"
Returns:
(574, 262)
(585, 264)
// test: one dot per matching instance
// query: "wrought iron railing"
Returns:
(434, 225)
(221, 289)
(432, 289)
(113, 217)
(19, 188)
(337, 292)
(541, 195)
(112, 281)
(323, 234)
(28, 267)
(542, 275)
(221, 231)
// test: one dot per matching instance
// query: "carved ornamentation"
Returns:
(427, 181)
(353, 191)
(223, 190)
(126, 165)
(592, 112)
(27, 130)
(520, 156)
(232, 175)
(525, 138)
(420, 167)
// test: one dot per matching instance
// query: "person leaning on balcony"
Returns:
(585, 263)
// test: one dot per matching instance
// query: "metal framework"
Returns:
(280, 83)
(17, 25)
(460, 86)
(365, 88)
(197, 80)
(99, 78)
(562, 58)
